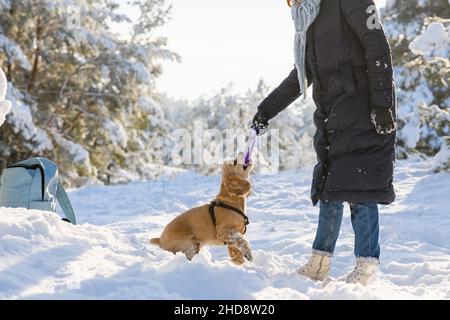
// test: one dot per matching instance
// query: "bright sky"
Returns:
(223, 42)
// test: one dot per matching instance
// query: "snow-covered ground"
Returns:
(107, 255)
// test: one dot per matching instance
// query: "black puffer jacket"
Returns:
(350, 68)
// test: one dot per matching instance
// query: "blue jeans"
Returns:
(365, 224)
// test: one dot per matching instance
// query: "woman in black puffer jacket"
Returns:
(347, 59)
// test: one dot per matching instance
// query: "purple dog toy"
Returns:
(251, 145)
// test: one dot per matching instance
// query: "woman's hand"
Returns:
(259, 124)
(383, 120)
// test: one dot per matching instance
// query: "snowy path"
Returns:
(106, 255)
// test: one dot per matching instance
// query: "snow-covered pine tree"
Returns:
(77, 87)
(418, 31)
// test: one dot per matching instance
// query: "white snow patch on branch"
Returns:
(22, 122)
(14, 52)
(116, 132)
(5, 105)
(79, 154)
(434, 42)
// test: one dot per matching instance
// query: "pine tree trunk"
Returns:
(37, 53)
(8, 71)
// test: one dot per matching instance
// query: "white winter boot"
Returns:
(364, 272)
(317, 268)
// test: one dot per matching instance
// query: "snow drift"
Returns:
(107, 255)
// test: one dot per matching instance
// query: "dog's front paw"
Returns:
(248, 254)
(244, 247)
(236, 256)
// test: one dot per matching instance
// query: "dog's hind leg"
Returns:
(183, 243)
(192, 250)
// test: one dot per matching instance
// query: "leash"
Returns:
(217, 203)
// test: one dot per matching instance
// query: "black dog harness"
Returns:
(217, 203)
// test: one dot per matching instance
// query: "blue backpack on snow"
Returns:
(34, 184)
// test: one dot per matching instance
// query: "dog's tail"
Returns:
(155, 242)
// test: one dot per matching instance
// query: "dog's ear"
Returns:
(237, 186)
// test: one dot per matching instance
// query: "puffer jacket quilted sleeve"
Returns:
(282, 96)
(362, 19)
